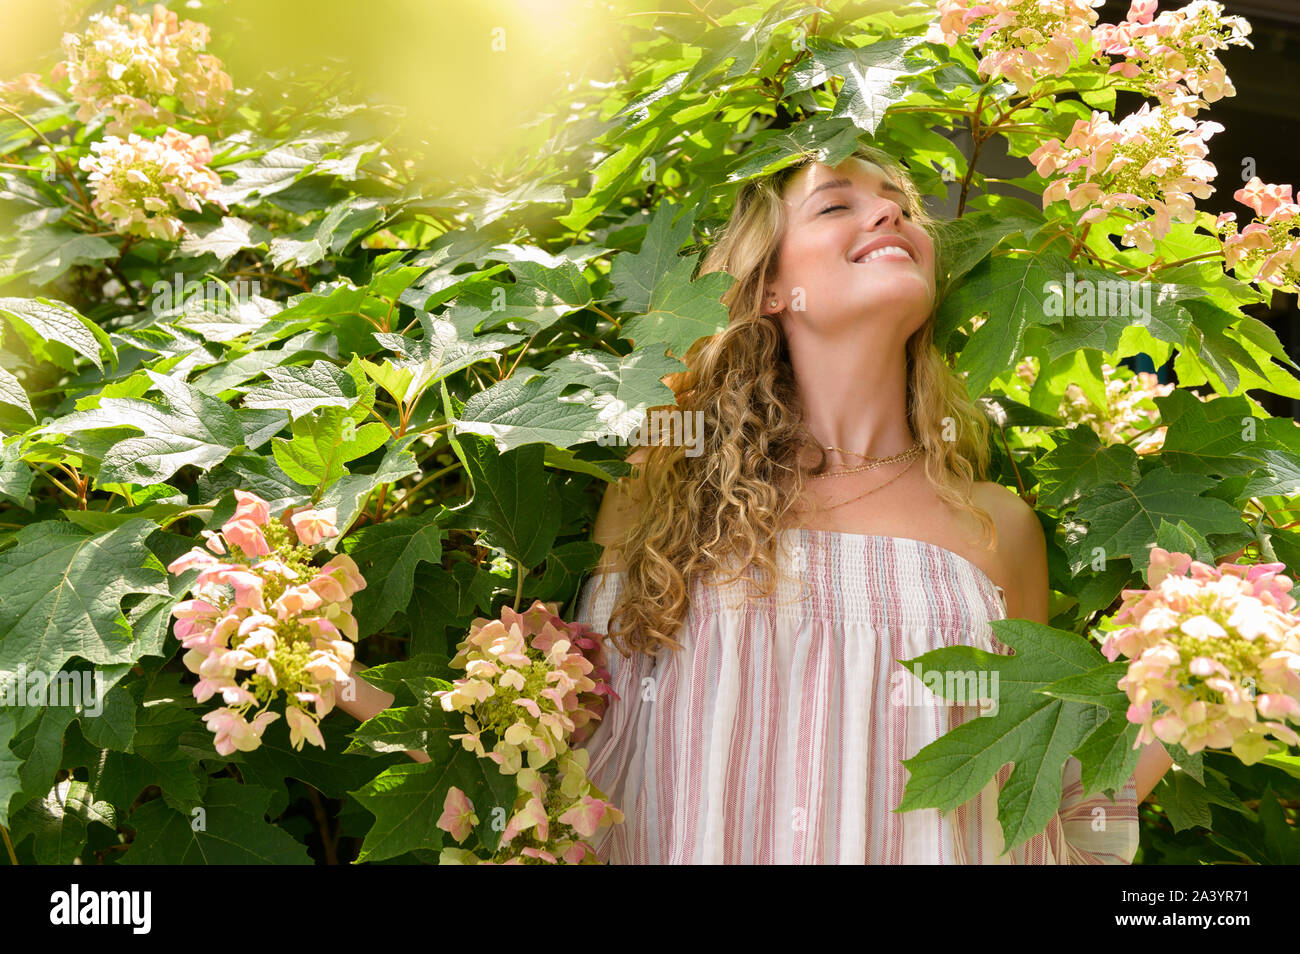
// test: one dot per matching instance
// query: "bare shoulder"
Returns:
(1021, 550)
(618, 511)
(1016, 521)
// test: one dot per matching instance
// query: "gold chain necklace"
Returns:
(876, 462)
(849, 452)
(871, 491)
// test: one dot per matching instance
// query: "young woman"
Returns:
(760, 594)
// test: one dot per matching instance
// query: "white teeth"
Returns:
(894, 250)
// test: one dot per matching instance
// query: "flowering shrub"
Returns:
(1270, 243)
(1129, 414)
(141, 184)
(1020, 39)
(263, 609)
(1215, 656)
(125, 63)
(467, 486)
(21, 90)
(538, 684)
(1154, 158)
(1171, 57)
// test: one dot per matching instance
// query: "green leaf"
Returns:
(15, 474)
(515, 503)
(349, 493)
(1183, 538)
(114, 727)
(407, 799)
(612, 398)
(1189, 762)
(48, 320)
(422, 727)
(223, 239)
(231, 317)
(58, 822)
(1102, 306)
(63, 594)
(12, 393)
(1014, 291)
(1124, 520)
(832, 139)
(328, 770)
(192, 428)
(273, 171)
(442, 351)
(967, 241)
(744, 42)
(46, 253)
(872, 75)
(1002, 411)
(1209, 437)
(566, 566)
(234, 831)
(1187, 802)
(1034, 731)
(256, 474)
(331, 234)
(1273, 840)
(328, 303)
(1080, 462)
(656, 282)
(444, 598)
(1107, 757)
(388, 555)
(392, 677)
(301, 389)
(320, 446)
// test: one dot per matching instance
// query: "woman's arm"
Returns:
(367, 702)
(1152, 765)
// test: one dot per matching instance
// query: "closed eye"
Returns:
(832, 208)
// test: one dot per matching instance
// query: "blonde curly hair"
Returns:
(695, 515)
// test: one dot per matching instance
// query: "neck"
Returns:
(854, 393)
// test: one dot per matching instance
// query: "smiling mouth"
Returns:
(884, 252)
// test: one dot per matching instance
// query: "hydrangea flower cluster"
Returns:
(262, 612)
(1152, 159)
(19, 91)
(1129, 413)
(1129, 409)
(539, 685)
(1215, 656)
(1171, 57)
(141, 184)
(1023, 40)
(1272, 241)
(125, 62)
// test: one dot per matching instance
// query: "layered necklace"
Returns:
(908, 455)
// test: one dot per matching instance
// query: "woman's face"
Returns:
(851, 252)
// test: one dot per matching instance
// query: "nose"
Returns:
(884, 211)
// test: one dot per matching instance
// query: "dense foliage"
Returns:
(212, 288)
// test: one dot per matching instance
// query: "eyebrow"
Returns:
(885, 186)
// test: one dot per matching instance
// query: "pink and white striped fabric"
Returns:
(777, 734)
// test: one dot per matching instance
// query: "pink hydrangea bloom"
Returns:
(1217, 649)
(538, 684)
(248, 652)
(141, 185)
(313, 526)
(125, 63)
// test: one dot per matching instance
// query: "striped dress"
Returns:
(777, 734)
